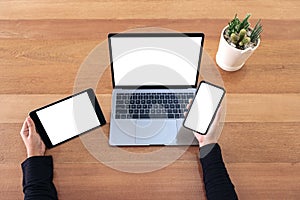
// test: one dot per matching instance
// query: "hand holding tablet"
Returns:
(67, 118)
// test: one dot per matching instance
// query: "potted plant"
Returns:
(237, 42)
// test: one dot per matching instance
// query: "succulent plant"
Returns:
(240, 35)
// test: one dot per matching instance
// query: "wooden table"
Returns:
(43, 43)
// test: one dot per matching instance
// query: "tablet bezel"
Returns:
(42, 132)
(215, 112)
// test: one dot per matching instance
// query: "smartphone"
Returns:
(67, 118)
(204, 107)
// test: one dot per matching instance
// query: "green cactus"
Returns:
(240, 35)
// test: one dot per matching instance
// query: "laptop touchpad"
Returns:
(155, 131)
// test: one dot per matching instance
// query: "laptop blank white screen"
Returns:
(148, 61)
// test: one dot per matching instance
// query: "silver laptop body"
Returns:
(154, 75)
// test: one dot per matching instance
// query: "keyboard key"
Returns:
(158, 116)
(120, 101)
(120, 106)
(170, 115)
(144, 116)
(123, 116)
(135, 116)
(121, 111)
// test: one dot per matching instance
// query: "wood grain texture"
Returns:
(43, 44)
(155, 9)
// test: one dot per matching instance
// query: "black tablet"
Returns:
(67, 118)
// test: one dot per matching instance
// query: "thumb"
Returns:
(31, 125)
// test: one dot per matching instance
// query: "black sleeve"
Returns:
(37, 178)
(216, 179)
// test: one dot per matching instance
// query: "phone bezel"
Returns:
(215, 112)
(42, 132)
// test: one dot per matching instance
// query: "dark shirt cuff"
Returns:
(206, 149)
(37, 178)
(216, 179)
(37, 167)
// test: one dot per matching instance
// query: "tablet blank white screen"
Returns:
(203, 107)
(68, 118)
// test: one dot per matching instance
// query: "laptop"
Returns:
(153, 75)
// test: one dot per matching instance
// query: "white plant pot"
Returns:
(230, 58)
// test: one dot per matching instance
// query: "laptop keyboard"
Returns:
(151, 105)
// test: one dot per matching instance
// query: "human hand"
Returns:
(214, 131)
(32, 140)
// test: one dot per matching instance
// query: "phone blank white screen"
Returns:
(68, 118)
(203, 108)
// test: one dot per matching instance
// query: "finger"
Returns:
(31, 125)
(189, 104)
(219, 112)
(217, 117)
(24, 129)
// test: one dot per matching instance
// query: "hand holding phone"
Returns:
(204, 107)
